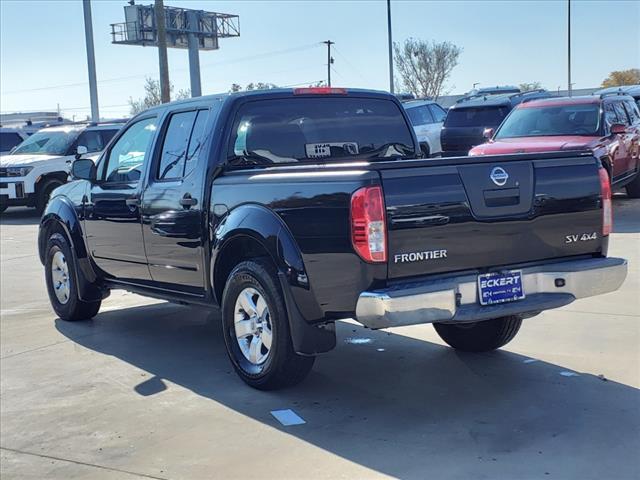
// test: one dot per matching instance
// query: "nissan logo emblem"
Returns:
(499, 176)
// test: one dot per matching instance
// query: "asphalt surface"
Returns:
(145, 390)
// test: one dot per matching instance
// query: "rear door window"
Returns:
(305, 129)
(621, 113)
(632, 111)
(476, 117)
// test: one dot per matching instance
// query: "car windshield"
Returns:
(476, 117)
(48, 142)
(552, 120)
(313, 129)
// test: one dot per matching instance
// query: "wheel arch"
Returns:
(251, 231)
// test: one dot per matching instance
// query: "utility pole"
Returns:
(194, 54)
(569, 47)
(328, 43)
(391, 87)
(165, 90)
(91, 61)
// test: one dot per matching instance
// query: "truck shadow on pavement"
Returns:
(20, 216)
(394, 404)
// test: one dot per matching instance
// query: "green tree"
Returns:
(152, 96)
(622, 77)
(424, 66)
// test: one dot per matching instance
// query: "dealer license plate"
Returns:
(500, 287)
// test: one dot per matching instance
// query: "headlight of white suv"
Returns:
(17, 171)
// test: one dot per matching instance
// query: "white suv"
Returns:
(427, 118)
(42, 162)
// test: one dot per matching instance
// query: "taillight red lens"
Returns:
(368, 225)
(607, 212)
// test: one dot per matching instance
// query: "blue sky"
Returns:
(510, 42)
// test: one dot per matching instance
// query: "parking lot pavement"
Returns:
(145, 390)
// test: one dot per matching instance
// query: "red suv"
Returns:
(608, 125)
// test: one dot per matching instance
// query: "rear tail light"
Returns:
(319, 91)
(368, 226)
(607, 213)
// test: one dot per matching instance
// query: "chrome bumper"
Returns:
(455, 299)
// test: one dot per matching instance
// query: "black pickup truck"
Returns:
(291, 209)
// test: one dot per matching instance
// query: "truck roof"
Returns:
(275, 93)
(498, 100)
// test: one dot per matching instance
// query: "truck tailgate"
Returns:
(481, 212)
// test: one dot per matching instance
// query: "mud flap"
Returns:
(307, 339)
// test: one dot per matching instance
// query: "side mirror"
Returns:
(80, 150)
(84, 169)
(488, 133)
(618, 129)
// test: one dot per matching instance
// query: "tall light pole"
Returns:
(328, 43)
(194, 54)
(91, 60)
(163, 60)
(569, 47)
(390, 38)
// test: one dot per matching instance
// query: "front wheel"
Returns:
(61, 282)
(481, 336)
(256, 328)
(44, 193)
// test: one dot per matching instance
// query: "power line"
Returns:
(349, 64)
(143, 75)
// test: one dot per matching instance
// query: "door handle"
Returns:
(132, 202)
(188, 201)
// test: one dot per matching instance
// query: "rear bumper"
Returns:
(455, 299)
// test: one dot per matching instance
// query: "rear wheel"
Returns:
(256, 329)
(633, 188)
(481, 336)
(61, 282)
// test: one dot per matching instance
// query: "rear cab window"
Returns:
(420, 115)
(476, 116)
(319, 129)
(8, 140)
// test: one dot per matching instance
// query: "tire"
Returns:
(72, 308)
(633, 188)
(254, 284)
(426, 151)
(481, 336)
(43, 194)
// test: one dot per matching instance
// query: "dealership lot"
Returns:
(145, 390)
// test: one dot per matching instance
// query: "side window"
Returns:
(610, 116)
(128, 154)
(621, 114)
(107, 135)
(196, 143)
(438, 112)
(420, 116)
(174, 147)
(92, 140)
(634, 113)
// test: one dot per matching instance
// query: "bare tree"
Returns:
(252, 86)
(424, 66)
(527, 87)
(153, 97)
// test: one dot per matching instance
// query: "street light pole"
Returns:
(91, 60)
(569, 47)
(165, 89)
(390, 39)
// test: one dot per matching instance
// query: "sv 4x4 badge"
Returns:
(585, 237)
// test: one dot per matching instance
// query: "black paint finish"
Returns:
(177, 239)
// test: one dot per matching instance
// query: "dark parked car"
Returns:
(292, 209)
(470, 116)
